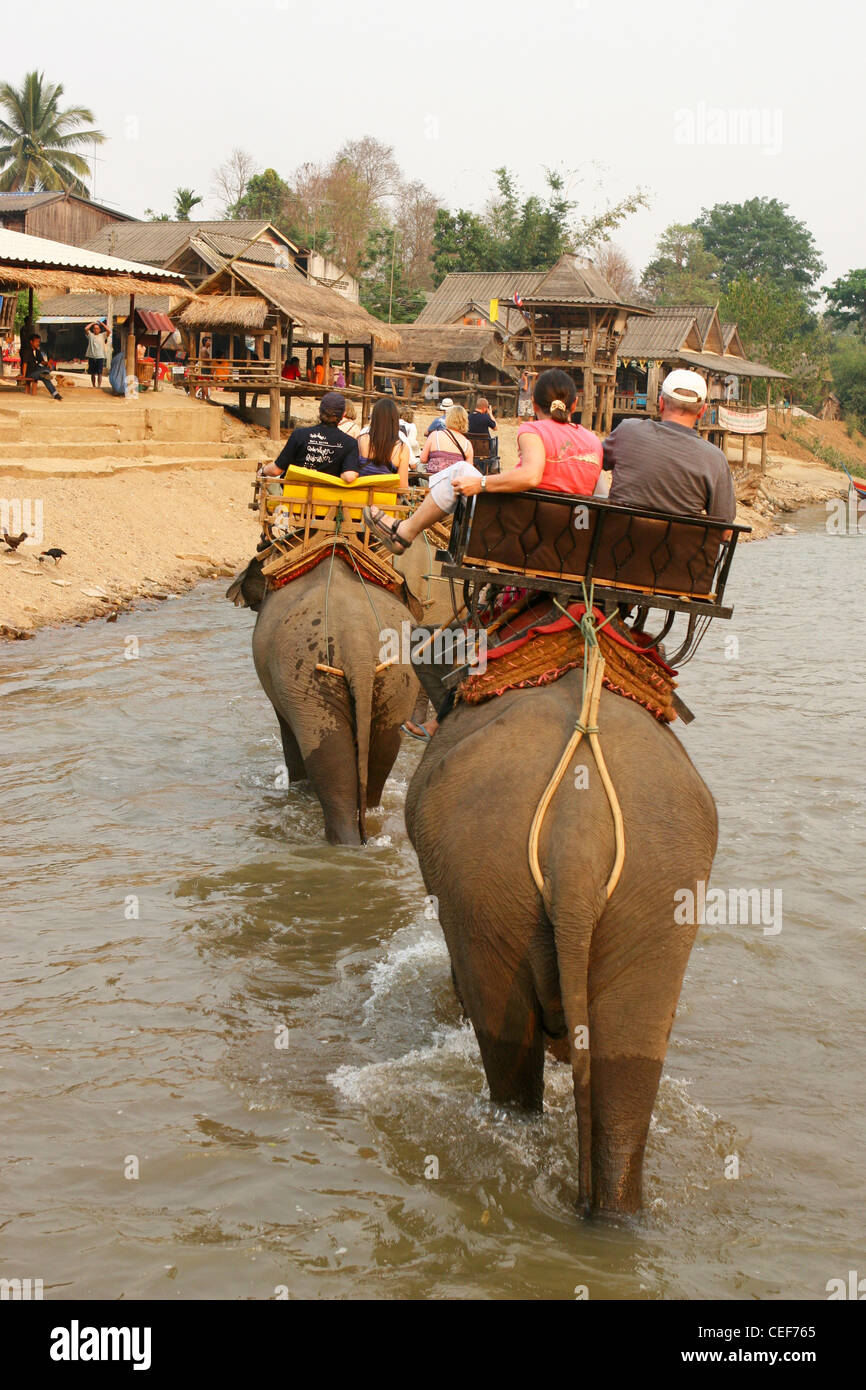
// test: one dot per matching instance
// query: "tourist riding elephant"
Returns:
(602, 975)
(342, 731)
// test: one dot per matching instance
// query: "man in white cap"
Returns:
(439, 422)
(663, 465)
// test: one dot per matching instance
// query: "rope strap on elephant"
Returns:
(587, 723)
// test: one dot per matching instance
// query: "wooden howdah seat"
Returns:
(562, 545)
(307, 515)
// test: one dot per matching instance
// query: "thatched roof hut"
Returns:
(269, 291)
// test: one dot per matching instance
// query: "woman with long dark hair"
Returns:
(381, 448)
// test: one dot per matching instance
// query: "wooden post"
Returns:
(130, 339)
(242, 402)
(274, 391)
(346, 365)
(326, 360)
(368, 381)
(652, 387)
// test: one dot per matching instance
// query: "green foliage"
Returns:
(265, 197)
(461, 241)
(38, 140)
(774, 323)
(848, 367)
(517, 233)
(847, 301)
(760, 239)
(682, 271)
(185, 199)
(156, 216)
(21, 309)
(384, 288)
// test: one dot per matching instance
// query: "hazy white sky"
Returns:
(630, 93)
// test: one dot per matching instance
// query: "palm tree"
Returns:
(185, 199)
(38, 139)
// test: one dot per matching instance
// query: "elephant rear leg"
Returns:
(629, 1026)
(507, 1020)
(384, 747)
(291, 752)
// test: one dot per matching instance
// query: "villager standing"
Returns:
(97, 350)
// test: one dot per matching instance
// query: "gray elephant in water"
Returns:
(342, 732)
(601, 975)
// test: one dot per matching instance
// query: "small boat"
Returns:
(858, 484)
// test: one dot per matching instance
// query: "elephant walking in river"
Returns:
(340, 728)
(602, 975)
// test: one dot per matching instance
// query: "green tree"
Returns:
(156, 216)
(774, 324)
(848, 368)
(520, 233)
(38, 139)
(185, 199)
(265, 197)
(385, 289)
(22, 309)
(760, 239)
(461, 241)
(682, 271)
(847, 301)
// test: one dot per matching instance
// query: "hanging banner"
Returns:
(743, 421)
(494, 310)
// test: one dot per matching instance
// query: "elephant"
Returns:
(341, 731)
(599, 977)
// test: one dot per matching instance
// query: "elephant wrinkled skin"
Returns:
(603, 976)
(340, 731)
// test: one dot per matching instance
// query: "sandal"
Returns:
(423, 734)
(389, 534)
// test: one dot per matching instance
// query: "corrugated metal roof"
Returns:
(20, 202)
(95, 306)
(462, 288)
(154, 321)
(729, 365)
(662, 335)
(575, 280)
(159, 242)
(18, 248)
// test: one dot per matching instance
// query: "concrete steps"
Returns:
(23, 451)
(102, 466)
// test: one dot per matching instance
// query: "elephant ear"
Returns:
(247, 589)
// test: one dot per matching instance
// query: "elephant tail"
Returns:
(360, 678)
(573, 940)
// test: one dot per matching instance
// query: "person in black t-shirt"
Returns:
(481, 418)
(324, 447)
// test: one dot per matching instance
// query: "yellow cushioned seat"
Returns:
(304, 487)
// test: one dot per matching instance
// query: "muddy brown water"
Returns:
(167, 908)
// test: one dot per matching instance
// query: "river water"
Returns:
(198, 990)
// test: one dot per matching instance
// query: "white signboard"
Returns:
(743, 421)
